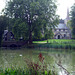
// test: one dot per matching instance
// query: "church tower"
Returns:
(67, 17)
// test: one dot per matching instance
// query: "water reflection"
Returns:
(64, 57)
(67, 62)
(62, 73)
(54, 57)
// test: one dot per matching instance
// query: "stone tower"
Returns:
(67, 17)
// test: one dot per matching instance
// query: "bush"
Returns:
(40, 67)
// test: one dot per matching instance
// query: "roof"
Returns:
(61, 21)
(5, 32)
(61, 26)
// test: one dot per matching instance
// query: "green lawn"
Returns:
(56, 41)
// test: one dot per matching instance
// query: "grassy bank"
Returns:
(55, 43)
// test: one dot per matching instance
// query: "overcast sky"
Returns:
(2, 4)
(62, 7)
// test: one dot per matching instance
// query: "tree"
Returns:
(20, 29)
(69, 24)
(35, 14)
(73, 20)
(3, 24)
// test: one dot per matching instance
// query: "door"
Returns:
(58, 36)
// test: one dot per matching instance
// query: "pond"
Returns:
(63, 61)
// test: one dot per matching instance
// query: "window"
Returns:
(63, 29)
(59, 29)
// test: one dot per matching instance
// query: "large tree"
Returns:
(3, 25)
(73, 20)
(36, 15)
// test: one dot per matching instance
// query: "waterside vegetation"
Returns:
(55, 43)
(30, 68)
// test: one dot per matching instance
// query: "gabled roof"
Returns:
(5, 32)
(61, 21)
(61, 26)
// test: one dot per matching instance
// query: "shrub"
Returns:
(32, 68)
(40, 67)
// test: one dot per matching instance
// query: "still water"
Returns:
(63, 61)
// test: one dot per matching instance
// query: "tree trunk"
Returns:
(0, 39)
(30, 37)
(30, 34)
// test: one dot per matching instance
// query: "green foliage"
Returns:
(37, 34)
(57, 44)
(39, 68)
(73, 20)
(49, 34)
(20, 29)
(69, 25)
(3, 24)
(21, 71)
(35, 15)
